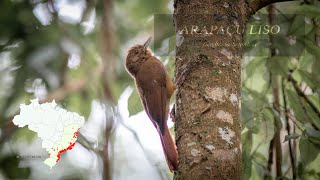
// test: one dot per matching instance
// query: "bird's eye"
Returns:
(136, 51)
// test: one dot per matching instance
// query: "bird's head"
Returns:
(136, 56)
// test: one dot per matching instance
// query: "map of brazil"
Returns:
(57, 127)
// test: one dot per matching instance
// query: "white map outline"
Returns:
(57, 127)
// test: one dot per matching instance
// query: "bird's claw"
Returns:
(172, 113)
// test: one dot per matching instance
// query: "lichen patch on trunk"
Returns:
(226, 134)
(227, 53)
(195, 152)
(210, 147)
(234, 99)
(224, 116)
(217, 93)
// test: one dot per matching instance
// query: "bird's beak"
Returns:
(146, 44)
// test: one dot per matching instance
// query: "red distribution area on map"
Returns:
(75, 135)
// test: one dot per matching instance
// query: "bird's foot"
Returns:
(173, 114)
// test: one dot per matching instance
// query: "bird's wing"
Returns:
(154, 98)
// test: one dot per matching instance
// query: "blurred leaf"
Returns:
(264, 125)
(246, 154)
(312, 48)
(259, 99)
(314, 117)
(306, 60)
(254, 66)
(267, 128)
(314, 135)
(170, 66)
(299, 26)
(278, 65)
(310, 79)
(117, 87)
(315, 68)
(315, 98)
(24, 134)
(288, 46)
(247, 117)
(134, 103)
(79, 103)
(310, 10)
(308, 151)
(293, 100)
(260, 158)
(291, 137)
(11, 169)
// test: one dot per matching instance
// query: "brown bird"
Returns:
(155, 88)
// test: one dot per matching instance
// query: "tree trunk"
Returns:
(208, 77)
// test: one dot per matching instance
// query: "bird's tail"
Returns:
(170, 149)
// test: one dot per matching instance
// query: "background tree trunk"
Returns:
(208, 77)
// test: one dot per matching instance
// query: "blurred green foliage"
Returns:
(59, 52)
(296, 56)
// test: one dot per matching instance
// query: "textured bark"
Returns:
(207, 109)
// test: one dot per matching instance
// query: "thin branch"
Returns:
(90, 5)
(270, 160)
(278, 154)
(107, 71)
(66, 89)
(276, 103)
(292, 156)
(256, 5)
(106, 49)
(291, 117)
(86, 143)
(135, 135)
